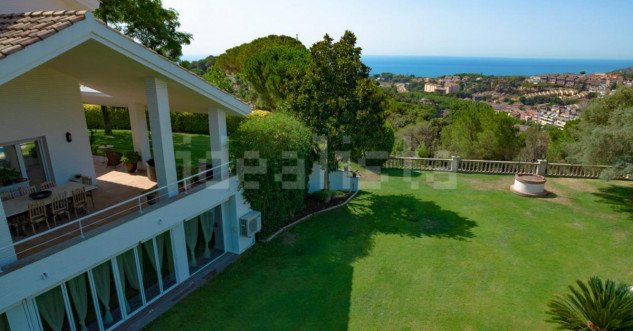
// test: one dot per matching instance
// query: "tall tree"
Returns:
(536, 142)
(148, 22)
(339, 102)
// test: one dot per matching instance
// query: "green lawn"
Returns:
(188, 148)
(472, 258)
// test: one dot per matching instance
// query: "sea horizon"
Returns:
(435, 66)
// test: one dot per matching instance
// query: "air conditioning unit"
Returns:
(250, 223)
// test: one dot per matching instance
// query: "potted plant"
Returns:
(9, 176)
(131, 159)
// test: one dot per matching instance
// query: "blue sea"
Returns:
(434, 66)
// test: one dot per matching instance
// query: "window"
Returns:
(26, 160)
(94, 298)
(203, 236)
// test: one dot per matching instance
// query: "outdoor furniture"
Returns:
(113, 157)
(26, 190)
(19, 204)
(59, 207)
(87, 180)
(151, 169)
(6, 196)
(37, 214)
(47, 185)
(79, 202)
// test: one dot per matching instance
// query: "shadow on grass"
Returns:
(619, 197)
(304, 278)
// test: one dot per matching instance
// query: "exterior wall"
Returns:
(46, 273)
(316, 180)
(47, 103)
(341, 181)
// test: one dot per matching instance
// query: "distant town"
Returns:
(548, 99)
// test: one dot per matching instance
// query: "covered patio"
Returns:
(43, 101)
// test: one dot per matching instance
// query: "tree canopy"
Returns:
(605, 133)
(273, 71)
(478, 132)
(338, 101)
(147, 22)
(234, 59)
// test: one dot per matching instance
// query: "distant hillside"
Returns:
(623, 70)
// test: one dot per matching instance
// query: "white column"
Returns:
(162, 140)
(7, 252)
(140, 137)
(179, 252)
(219, 142)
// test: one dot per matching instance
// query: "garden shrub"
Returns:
(272, 136)
(120, 120)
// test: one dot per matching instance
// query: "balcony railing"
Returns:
(77, 230)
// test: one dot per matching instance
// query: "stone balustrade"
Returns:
(456, 164)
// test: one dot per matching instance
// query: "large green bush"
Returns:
(276, 190)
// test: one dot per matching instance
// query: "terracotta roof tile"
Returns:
(18, 31)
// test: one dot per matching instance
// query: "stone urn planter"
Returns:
(529, 185)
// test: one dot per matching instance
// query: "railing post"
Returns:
(541, 167)
(455, 163)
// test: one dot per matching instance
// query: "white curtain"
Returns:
(101, 275)
(207, 222)
(79, 294)
(191, 237)
(51, 307)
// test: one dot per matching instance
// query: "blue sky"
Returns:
(493, 28)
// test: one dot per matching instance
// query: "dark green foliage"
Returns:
(234, 59)
(338, 101)
(271, 136)
(478, 132)
(217, 77)
(119, 117)
(199, 67)
(323, 195)
(595, 305)
(559, 140)
(120, 120)
(553, 100)
(273, 71)
(605, 134)
(148, 22)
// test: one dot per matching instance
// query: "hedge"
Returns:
(271, 136)
(180, 121)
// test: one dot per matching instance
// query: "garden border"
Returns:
(269, 239)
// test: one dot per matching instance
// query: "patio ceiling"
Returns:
(121, 79)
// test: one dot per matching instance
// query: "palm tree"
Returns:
(594, 306)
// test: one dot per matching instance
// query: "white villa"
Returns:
(98, 269)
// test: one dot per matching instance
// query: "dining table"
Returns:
(20, 204)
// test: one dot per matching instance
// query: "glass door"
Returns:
(34, 163)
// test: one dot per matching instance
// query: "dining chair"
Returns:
(79, 202)
(37, 214)
(6, 196)
(47, 185)
(87, 180)
(59, 207)
(26, 190)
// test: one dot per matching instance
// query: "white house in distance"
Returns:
(94, 272)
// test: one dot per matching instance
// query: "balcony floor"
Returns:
(114, 185)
